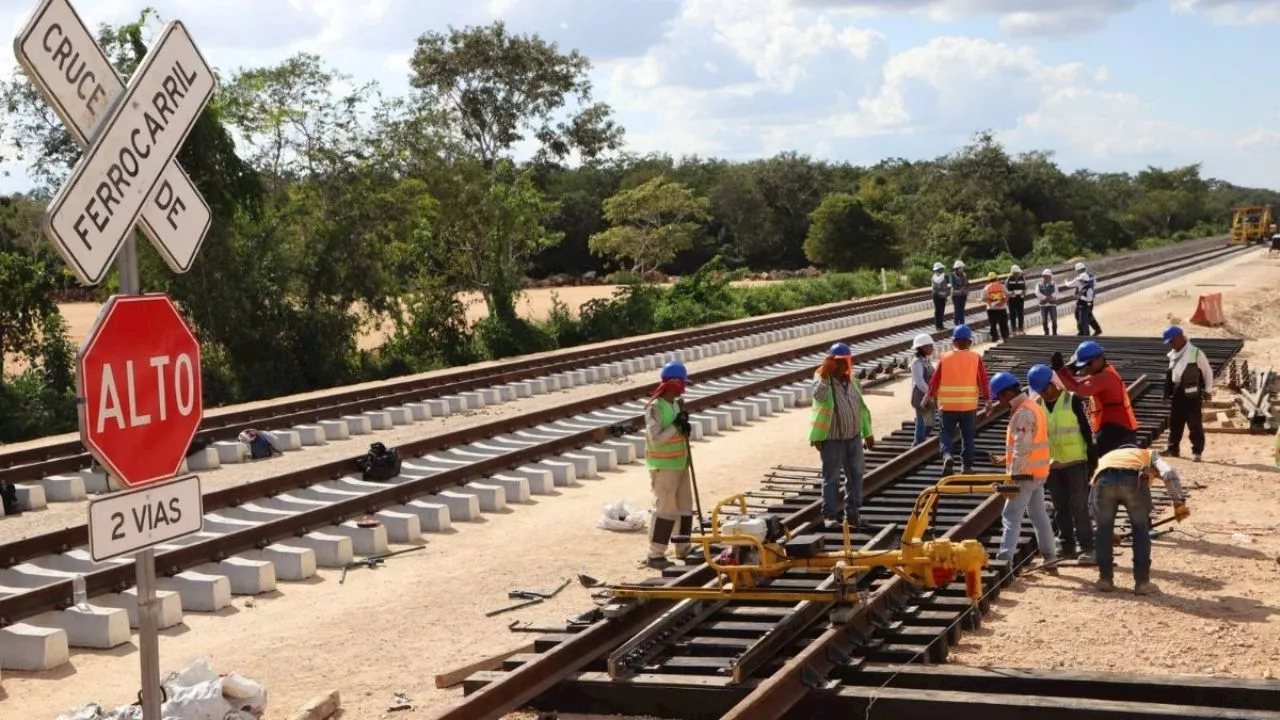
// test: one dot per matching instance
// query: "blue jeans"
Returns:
(959, 301)
(838, 456)
(964, 421)
(1115, 488)
(1030, 499)
(924, 423)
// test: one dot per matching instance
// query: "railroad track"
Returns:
(63, 471)
(741, 660)
(284, 527)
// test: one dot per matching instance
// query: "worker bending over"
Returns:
(941, 283)
(840, 427)
(666, 454)
(1124, 479)
(1086, 292)
(1070, 443)
(1026, 459)
(1016, 286)
(997, 300)
(957, 386)
(1110, 412)
(1187, 384)
(1047, 295)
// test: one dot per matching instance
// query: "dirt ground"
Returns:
(392, 630)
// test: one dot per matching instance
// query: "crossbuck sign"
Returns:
(127, 175)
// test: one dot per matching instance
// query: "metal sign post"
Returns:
(126, 178)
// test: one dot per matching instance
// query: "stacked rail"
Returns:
(761, 660)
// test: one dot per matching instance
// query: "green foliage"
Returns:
(40, 396)
(652, 223)
(844, 235)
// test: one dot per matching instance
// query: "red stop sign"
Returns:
(140, 390)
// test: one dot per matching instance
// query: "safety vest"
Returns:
(996, 296)
(1038, 462)
(820, 419)
(672, 454)
(1095, 406)
(1136, 459)
(958, 386)
(1066, 444)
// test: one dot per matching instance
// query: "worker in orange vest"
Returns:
(1027, 458)
(956, 387)
(997, 300)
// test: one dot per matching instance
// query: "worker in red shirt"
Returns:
(1110, 412)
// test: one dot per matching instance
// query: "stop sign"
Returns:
(140, 391)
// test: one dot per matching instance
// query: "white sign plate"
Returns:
(133, 147)
(136, 520)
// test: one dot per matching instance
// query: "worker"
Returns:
(941, 291)
(1026, 459)
(1047, 295)
(1016, 287)
(1124, 478)
(921, 374)
(666, 454)
(1110, 412)
(1188, 383)
(956, 387)
(959, 291)
(997, 300)
(1086, 292)
(840, 428)
(1070, 443)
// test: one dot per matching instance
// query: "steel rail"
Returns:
(68, 456)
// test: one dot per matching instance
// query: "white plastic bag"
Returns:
(622, 517)
(194, 693)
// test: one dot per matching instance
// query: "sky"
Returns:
(1109, 85)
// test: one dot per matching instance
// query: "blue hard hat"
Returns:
(1087, 351)
(840, 350)
(962, 332)
(674, 371)
(1170, 333)
(1039, 377)
(1003, 381)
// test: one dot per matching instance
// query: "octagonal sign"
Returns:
(139, 389)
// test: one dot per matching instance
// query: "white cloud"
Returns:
(1017, 17)
(1232, 12)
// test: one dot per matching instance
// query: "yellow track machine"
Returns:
(752, 552)
(1252, 224)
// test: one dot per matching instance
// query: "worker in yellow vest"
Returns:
(957, 386)
(1124, 478)
(840, 428)
(666, 454)
(1070, 442)
(1026, 458)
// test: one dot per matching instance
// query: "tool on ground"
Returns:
(1128, 535)
(748, 553)
(516, 606)
(373, 562)
(587, 581)
(531, 594)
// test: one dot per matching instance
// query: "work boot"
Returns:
(1172, 452)
(1096, 333)
(967, 470)
(948, 465)
(1086, 558)
(1104, 585)
(1195, 458)
(831, 524)
(1145, 588)
(658, 563)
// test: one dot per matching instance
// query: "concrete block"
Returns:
(592, 374)
(291, 563)
(378, 419)
(624, 452)
(422, 410)
(246, 577)
(358, 424)
(756, 407)
(553, 383)
(522, 388)
(562, 473)
(606, 458)
(200, 592)
(724, 419)
(579, 377)
(335, 429)
(737, 414)
(515, 487)
(540, 481)
(330, 550)
(99, 628)
(310, 434)
(31, 497)
(364, 540)
(168, 606)
(537, 386)
(583, 465)
(472, 399)
(490, 395)
(401, 527)
(400, 415)
(32, 648)
(492, 497)
(63, 488)
(774, 400)
(231, 452)
(456, 403)
(432, 516)
(706, 423)
(203, 460)
(94, 482)
(462, 506)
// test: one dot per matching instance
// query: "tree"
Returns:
(652, 224)
(844, 235)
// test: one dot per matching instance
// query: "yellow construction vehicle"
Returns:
(755, 551)
(1252, 224)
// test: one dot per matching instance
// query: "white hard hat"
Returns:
(921, 340)
(957, 264)
(1080, 267)
(1015, 269)
(1048, 272)
(939, 266)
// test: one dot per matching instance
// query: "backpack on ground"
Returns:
(9, 497)
(260, 445)
(380, 464)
